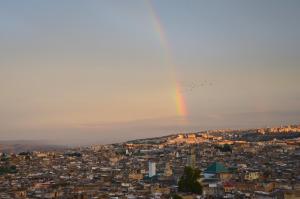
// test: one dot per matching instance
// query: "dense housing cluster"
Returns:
(233, 164)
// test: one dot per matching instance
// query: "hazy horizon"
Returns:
(109, 71)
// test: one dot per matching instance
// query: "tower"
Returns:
(191, 159)
(152, 169)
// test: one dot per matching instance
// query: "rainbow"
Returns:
(180, 101)
(158, 26)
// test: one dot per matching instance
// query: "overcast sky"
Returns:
(95, 71)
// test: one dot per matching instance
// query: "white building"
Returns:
(152, 169)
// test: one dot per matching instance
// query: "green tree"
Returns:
(189, 181)
(175, 196)
(227, 148)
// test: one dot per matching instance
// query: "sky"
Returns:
(81, 72)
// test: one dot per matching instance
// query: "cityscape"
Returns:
(150, 99)
(253, 163)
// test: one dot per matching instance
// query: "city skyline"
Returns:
(112, 71)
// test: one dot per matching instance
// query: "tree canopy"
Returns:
(175, 196)
(225, 148)
(189, 181)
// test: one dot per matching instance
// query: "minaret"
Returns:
(152, 169)
(191, 159)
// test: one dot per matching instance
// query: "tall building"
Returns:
(191, 159)
(152, 169)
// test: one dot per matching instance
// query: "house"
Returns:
(217, 170)
(228, 187)
(252, 175)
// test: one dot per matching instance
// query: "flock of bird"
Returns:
(190, 86)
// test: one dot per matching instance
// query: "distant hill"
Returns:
(17, 146)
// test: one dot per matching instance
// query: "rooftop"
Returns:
(216, 167)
